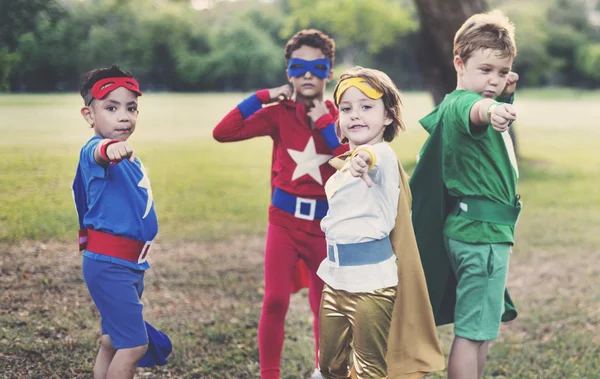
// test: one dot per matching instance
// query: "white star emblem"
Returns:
(145, 183)
(308, 161)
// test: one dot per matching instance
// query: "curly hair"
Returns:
(313, 38)
(391, 99)
(91, 77)
(492, 30)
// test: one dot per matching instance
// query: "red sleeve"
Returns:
(233, 127)
(325, 120)
(343, 148)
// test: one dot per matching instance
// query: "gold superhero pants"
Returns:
(354, 325)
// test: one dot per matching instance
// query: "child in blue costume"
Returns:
(118, 223)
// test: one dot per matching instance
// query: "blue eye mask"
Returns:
(318, 67)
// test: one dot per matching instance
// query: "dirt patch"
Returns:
(208, 297)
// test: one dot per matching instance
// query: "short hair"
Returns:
(313, 38)
(391, 99)
(492, 30)
(91, 77)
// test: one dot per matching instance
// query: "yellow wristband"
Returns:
(368, 151)
(490, 110)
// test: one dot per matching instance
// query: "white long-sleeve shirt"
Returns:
(358, 213)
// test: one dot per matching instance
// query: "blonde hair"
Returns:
(492, 30)
(391, 99)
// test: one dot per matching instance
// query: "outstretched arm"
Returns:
(249, 119)
(498, 113)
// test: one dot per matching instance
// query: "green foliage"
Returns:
(168, 45)
(372, 25)
(19, 16)
(588, 61)
(549, 36)
(243, 54)
(8, 62)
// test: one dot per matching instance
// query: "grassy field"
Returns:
(205, 287)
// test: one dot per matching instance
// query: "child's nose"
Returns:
(124, 116)
(308, 74)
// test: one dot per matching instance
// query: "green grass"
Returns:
(203, 189)
(205, 286)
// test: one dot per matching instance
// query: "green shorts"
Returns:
(481, 271)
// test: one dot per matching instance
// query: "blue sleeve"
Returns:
(249, 106)
(90, 168)
(331, 138)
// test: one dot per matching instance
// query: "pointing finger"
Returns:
(367, 179)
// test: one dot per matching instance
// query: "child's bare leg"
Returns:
(481, 358)
(125, 362)
(464, 359)
(104, 357)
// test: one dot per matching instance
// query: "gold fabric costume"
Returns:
(354, 325)
(413, 348)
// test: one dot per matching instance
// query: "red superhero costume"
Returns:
(295, 244)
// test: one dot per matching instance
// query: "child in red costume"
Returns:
(302, 127)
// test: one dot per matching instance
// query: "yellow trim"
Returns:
(368, 151)
(361, 84)
(490, 111)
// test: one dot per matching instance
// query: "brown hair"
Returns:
(391, 99)
(91, 77)
(313, 38)
(492, 30)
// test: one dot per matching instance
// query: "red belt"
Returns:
(113, 246)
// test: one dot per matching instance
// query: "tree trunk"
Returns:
(440, 19)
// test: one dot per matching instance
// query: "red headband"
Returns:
(104, 86)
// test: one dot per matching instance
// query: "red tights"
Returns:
(283, 250)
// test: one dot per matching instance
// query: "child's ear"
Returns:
(287, 73)
(88, 115)
(387, 121)
(330, 76)
(459, 64)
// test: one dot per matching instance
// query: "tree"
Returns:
(19, 18)
(440, 19)
(8, 62)
(358, 26)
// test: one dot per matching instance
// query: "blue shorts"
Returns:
(116, 291)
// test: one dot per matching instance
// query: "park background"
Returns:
(195, 61)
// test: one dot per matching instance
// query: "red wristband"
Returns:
(324, 121)
(103, 148)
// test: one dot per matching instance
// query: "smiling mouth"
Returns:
(357, 127)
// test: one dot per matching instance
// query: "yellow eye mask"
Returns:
(361, 84)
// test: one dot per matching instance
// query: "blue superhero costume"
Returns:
(117, 200)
